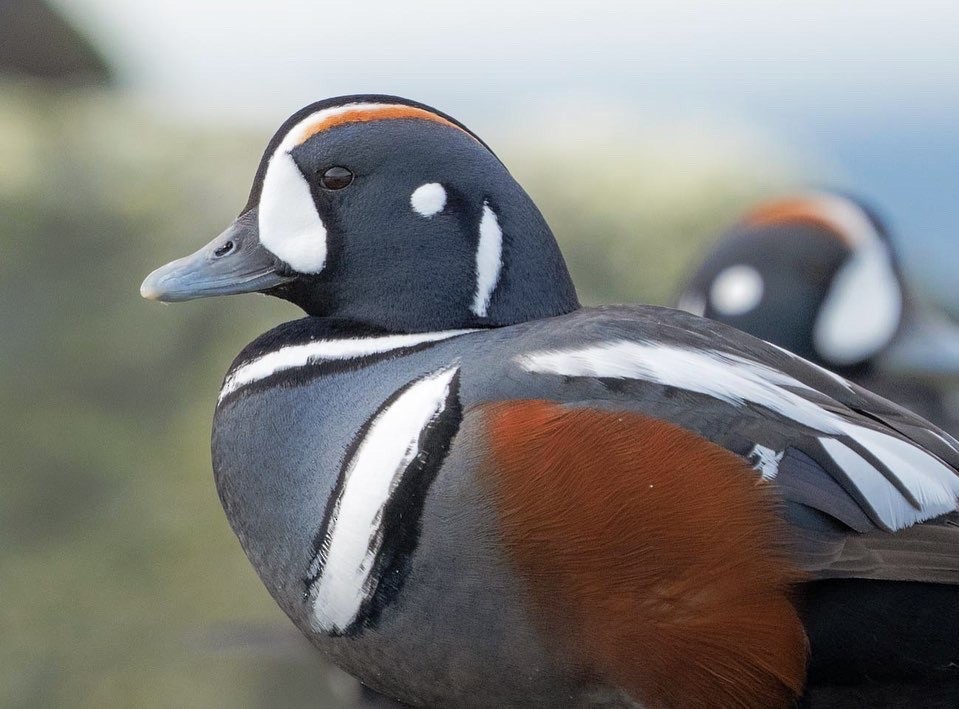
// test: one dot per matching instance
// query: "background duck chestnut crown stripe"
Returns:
(840, 217)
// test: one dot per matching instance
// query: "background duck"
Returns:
(469, 491)
(817, 273)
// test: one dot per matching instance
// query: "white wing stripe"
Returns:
(736, 380)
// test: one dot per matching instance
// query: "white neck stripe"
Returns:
(354, 532)
(489, 260)
(294, 356)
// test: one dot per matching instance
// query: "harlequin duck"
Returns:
(467, 490)
(817, 273)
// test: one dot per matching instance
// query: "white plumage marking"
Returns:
(765, 460)
(737, 380)
(289, 225)
(428, 199)
(354, 536)
(737, 290)
(862, 310)
(489, 255)
(293, 356)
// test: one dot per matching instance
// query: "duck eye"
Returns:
(336, 178)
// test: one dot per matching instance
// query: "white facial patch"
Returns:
(736, 290)
(489, 255)
(862, 310)
(293, 356)
(354, 534)
(428, 199)
(289, 225)
(740, 381)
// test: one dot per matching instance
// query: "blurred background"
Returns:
(129, 134)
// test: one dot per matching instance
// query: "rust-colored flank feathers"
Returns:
(652, 556)
(366, 114)
(787, 211)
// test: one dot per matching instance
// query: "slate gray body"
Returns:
(458, 633)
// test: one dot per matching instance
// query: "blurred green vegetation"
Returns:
(121, 582)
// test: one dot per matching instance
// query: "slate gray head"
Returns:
(814, 273)
(387, 213)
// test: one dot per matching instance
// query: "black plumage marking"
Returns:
(400, 524)
(864, 631)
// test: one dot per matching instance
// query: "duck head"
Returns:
(388, 213)
(814, 273)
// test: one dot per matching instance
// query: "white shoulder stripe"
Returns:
(353, 536)
(737, 380)
(294, 356)
(489, 254)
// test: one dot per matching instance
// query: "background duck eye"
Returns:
(336, 178)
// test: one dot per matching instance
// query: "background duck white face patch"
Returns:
(862, 310)
(428, 199)
(373, 515)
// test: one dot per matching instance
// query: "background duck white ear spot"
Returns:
(428, 199)
(737, 290)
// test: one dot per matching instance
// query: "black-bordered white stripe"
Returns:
(489, 260)
(316, 352)
(900, 482)
(371, 523)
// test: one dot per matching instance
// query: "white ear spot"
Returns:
(428, 199)
(737, 290)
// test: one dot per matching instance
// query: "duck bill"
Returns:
(927, 347)
(234, 262)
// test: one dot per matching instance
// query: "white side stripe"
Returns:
(294, 356)
(489, 255)
(354, 536)
(765, 460)
(737, 380)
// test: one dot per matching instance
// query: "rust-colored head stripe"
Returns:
(652, 556)
(367, 113)
(797, 210)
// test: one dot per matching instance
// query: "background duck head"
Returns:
(818, 274)
(384, 212)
